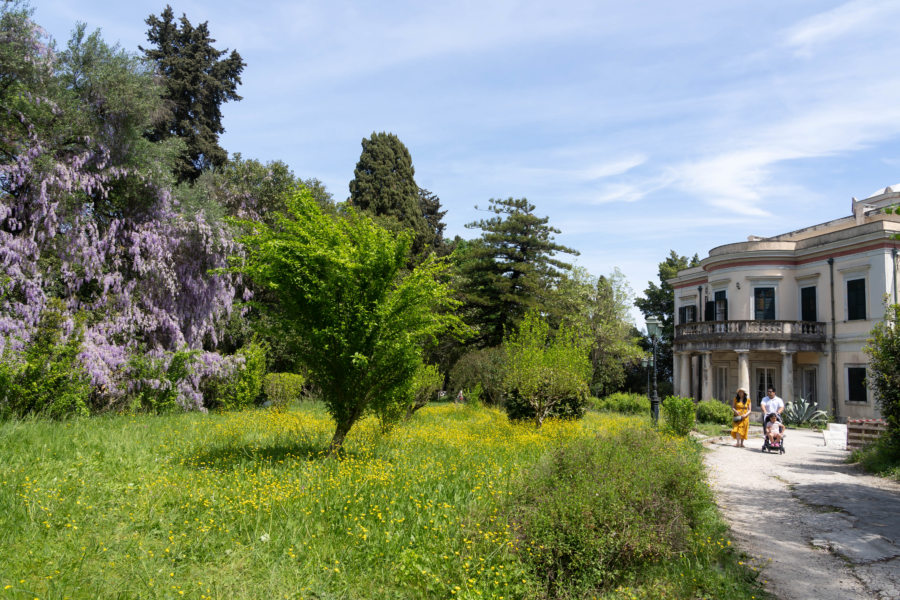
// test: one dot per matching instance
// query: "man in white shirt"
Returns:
(772, 404)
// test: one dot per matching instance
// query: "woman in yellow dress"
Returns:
(741, 408)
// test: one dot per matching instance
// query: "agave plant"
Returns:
(803, 412)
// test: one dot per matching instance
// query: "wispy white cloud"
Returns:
(857, 18)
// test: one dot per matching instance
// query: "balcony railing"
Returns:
(812, 331)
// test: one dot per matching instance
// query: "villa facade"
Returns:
(793, 311)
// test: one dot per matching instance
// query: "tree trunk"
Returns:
(338, 440)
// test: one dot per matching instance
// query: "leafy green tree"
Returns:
(198, 79)
(543, 369)
(509, 269)
(384, 186)
(600, 306)
(659, 302)
(341, 288)
(883, 349)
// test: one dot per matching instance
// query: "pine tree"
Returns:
(198, 80)
(509, 268)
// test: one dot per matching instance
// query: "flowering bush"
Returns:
(88, 221)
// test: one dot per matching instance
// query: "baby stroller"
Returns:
(767, 445)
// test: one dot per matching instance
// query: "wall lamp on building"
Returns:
(654, 330)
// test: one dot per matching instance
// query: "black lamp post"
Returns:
(647, 361)
(653, 330)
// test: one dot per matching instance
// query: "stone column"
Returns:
(823, 387)
(744, 370)
(706, 384)
(676, 372)
(685, 379)
(695, 380)
(787, 376)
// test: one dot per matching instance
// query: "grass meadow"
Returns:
(244, 505)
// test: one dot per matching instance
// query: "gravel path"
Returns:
(815, 526)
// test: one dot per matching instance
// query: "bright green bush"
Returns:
(713, 411)
(596, 510)
(282, 389)
(678, 413)
(623, 402)
(547, 369)
(243, 387)
(46, 378)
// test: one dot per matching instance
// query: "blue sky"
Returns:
(637, 127)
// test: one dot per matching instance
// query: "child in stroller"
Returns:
(773, 436)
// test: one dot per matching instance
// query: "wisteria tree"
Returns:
(87, 215)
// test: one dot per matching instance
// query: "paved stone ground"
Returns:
(815, 526)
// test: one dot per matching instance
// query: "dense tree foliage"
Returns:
(198, 79)
(509, 269)
(88, 215)
(340, 286)
(883, 349)
(384, 186)
(659, 302)
(546, 369)
(599, 306)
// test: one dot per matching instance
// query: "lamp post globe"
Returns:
(654, 330)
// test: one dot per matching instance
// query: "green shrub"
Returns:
(623, 402)
(881, 457)
(883, 348)
(46, 378)
(243, 387)
(518, 409)
(678, 413)
(282, 389)
(546, 368)
(593, 512)
(485, 367)
(713, 411)
(155, 380)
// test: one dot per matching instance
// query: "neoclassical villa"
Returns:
(793, 311)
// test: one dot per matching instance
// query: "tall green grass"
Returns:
(244, 505)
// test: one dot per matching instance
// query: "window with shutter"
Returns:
(808, 304)
(764, 304)
(721, 306)
(856, 299)
(856, 384)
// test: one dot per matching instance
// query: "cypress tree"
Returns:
(384, 186)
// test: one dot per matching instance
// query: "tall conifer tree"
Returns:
(509, 268)
(384, 186)
(198, 80)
